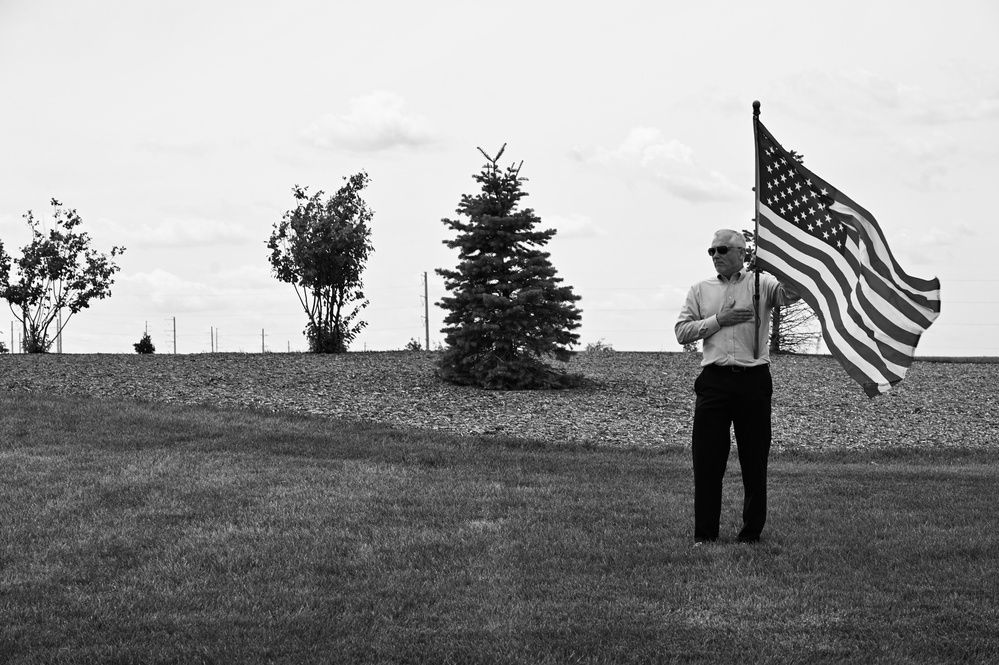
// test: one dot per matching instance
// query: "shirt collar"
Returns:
(736, 276)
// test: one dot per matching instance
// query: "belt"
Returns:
(738, 368)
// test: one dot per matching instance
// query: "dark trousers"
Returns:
(726, 398)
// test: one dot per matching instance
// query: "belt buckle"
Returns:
(738, 368)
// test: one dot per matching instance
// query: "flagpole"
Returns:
(756, 232)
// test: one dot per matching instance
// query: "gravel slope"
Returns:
(641, 399)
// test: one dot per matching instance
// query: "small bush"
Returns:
(330, 338)
(413, 345)
(145, 345)
(599, 347)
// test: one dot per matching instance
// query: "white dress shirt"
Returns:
(730, 345)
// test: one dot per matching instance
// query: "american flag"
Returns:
(833, 252)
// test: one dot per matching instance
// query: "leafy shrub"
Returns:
(320, 248)
(145, 345)
(328, 338)
(599, 347)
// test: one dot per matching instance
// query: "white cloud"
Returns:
(859, 95)
(940, 112)
(646, 153)
(165, 291)
(12, 228)
(702, 188)
(176, 232)
(863, 84)
(193, 149)
(378, 121)
(958, 232)
(934, 245)
(923, 144)
(571, 226)
(932, 178)
(851, 93)
(244, 289)
(644, 146)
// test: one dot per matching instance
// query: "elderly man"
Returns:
(734, 386)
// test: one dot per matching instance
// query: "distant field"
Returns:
(641, 400)
(982, 360)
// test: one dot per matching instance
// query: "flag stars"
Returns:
(801, 203)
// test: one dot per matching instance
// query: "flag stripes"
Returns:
(805, 267)
(859, 230)
(834, 253)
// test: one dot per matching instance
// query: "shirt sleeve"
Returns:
(787, 294)
(690, 327)
(779, 295)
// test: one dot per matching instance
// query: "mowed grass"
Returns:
(143, 533)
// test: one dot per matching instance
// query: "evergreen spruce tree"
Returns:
(508, 311)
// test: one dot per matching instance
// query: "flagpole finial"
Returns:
(756, 109)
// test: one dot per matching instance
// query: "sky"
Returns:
(179, 129)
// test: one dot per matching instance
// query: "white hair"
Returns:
(733, 238)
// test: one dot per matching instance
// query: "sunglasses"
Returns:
(722, 249)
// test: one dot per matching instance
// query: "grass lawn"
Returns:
(142, 533)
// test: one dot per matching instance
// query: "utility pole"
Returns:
(426, 310)
(211, 338)
(262, 349)
(174, 334)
